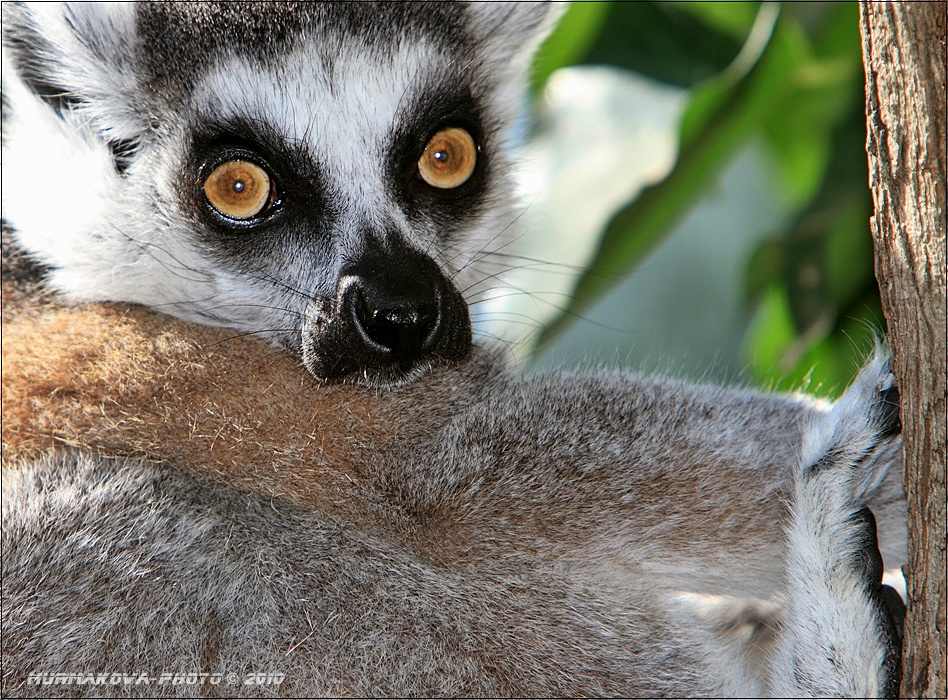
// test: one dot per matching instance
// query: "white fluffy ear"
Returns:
(76, 56)
(512, 31)
(69, 82)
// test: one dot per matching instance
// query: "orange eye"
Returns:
(449, 159)
(238, 189)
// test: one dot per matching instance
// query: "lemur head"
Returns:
(332, 176)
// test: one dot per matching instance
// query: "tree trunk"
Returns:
(904, 54)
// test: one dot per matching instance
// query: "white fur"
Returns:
(831, 644)
(60, 187)
(58, 181)
(344, 118)
(106, 241)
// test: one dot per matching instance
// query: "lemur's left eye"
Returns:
(449, 159)
(239, 189)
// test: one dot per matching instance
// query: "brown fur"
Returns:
(128, 382)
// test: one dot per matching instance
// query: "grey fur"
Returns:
(598, 534)
(525, 538)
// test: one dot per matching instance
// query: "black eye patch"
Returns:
(442, 106)
(298, 180)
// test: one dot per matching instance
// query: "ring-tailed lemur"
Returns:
(333, 177)
(330, 176)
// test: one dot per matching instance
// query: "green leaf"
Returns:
(800, 135)
(820, 364)
(712, 96)
(839, 37)
(732, 18)
(662, 42)
(767, 264)
(569, 42)
(823, 89)
(771, 331)
(722, 120)
(779, 358)
(848, 252)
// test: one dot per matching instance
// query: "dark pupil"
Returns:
(441, 156)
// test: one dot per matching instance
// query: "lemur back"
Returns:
(183, 503)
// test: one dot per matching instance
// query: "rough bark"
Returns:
(904, 54)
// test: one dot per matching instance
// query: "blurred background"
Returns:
(695, 196)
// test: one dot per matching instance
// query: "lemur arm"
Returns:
(691, 485)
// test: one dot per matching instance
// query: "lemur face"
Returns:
(333, 177)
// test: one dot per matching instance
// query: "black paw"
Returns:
(868, 559)
(896, 606)
(888, 604)
(888, 409)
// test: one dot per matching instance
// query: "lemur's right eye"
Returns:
(449, 159)
(239, 189)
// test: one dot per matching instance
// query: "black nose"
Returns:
(403, 322)
(394, 312)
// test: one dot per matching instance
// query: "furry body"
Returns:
(180, 500)
(469, 534)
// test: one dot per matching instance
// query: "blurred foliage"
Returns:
(791, 78)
